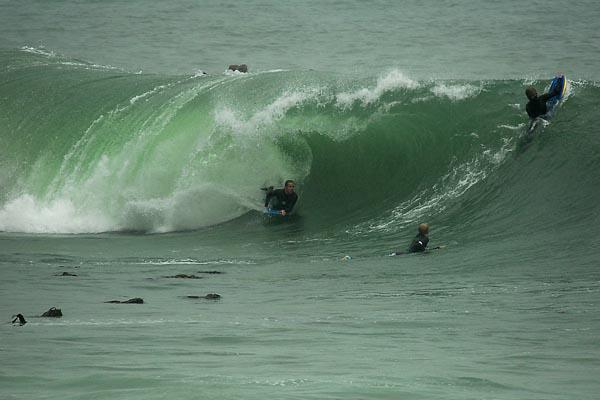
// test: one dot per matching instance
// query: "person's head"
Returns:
(424, 229)
(289, 186)
(531, 93)
(20, 318)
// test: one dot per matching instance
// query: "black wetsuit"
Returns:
(281, 200)
(537, 106)
(419, 243)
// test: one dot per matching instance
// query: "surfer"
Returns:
(282, 200)
(536, 106)
(419, 243)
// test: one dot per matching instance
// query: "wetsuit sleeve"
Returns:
(270, 194)
(290, 204)
(546, 96)
(416, 246)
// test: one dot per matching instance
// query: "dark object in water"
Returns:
(183, 276)
(235, 67)
(20, 318)
(210, 296)
(135, 300)
(53, 313)
(210, 272)
(66, 274)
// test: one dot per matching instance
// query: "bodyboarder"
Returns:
(282, 200)
(537, 107)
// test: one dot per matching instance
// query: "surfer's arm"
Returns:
(270, 193)
(546, 96)
(416, 246)
(555, 92)
(290, 205)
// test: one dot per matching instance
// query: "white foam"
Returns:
(93, 209)
(152, 91)
(392, 81)
(26, 214)
(90, 66)
(199, 74)
(273, 112)
(512, 127)
(51, 54)
(230, 72)
(455, 92)
(201, 206)
(190, 261)
(38, 50)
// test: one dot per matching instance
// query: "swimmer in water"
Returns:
(20, 318)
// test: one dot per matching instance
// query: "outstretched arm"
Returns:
(268, 196)
(555, 92)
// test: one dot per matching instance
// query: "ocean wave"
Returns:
(159, 154)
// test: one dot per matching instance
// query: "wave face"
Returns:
(88, 148)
